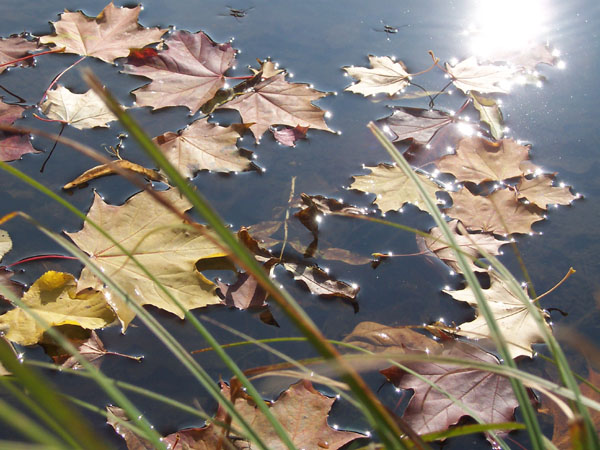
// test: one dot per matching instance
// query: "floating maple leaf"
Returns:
(108, 36)
(188, 73)
(487, 393)
(288, 136)
(5, 243)
(469, 75)
(204, 146)
(519, 328)
(393, 188)
(541, 192)
(12, 146)
(6, 282)
(498, 213)
(53, 298)
(275, 101)
(320, 283)
(527, 55)
(384, 76)
(158, 240)
(15, 47)
(301, 410)
(413, 123)
(478, 159)
(489, 112)
(79, 110)
(246, 292)
(470, 245)
(112, 168)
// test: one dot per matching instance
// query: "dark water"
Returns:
(313, 40)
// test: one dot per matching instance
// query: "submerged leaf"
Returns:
(6, 282)
(13, 146)
(160, 241)
(275, 101)
(53, 297)
(79, 110)
(288, 136)
(320, 283)
(384, 76)
(393, 188)
(188, 73)
(246, 292)
(203, 146)
(108, 36)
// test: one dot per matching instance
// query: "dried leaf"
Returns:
(5, 243)
(540, 192)
(384, 76)
(499, 213)
(16, 288)
(13, 146)
(429, 410)
(110, 169)
(288, 136)
(53, 297)
(519, 328)
(188, 73)
(413, 123)
(79, 110)
(267, 69)
(246, 292)
(15, 47)
(108, 36)
(527, 55)
(489, 112)
(393, 188)
(157, 238)
(203, 146)
(320, 283)
(469, 75)
(478, 160)
(275, 101)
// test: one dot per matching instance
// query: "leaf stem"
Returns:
(36, 258)
(57, 77)
(570, 272)
(14, 61)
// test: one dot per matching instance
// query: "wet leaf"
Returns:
(92, 349)
(275, 101)
(203, 146)
(246, 292)
(288, 136)
(13, 48)
(489, 394)
(188, 73)
(469, 245)
(133, 441)
(157, 238)
(13, 286)
(478, 159)
(13, 146)
(110, 169)
(489, 112)
(393, 188)
(499, 213)
(108, 36)
(469, 75)
(320, 283)
(79, 110)
(318, 206)
(541, 192)
(519, 328)
(413, 123)
(53, 297)
(301, 410)
(384, 76)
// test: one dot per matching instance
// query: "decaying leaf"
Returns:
(478, 159)
(519, 328)
(203, 146)
(301, 410)
(53, 297)
(489, 112)
(320, 283)
(92, 349)
(393, 188)
(470, 245)
(385, 76)
(108, 36)
(488, 394)
(275, 101)
(246, 292)
(413, 123)
(188, 73)
(317, 206)
(159, 240)
(540, 191)
(112, 168)
(499, 213)
(469, 75)
(15, 47)
(288, 136)
(79, 110)
(13, 146)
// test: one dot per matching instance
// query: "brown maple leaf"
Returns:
(499, 213)
(15, 47)
(108, 36)
(384, 76)
(188, 73)
(478, 160)
(541, 192)
(203, 146)
(13, 146)
(288, 136)
(469, 75)
(276, 101)
(413, 123)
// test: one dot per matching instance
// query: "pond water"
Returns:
(314, 40)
